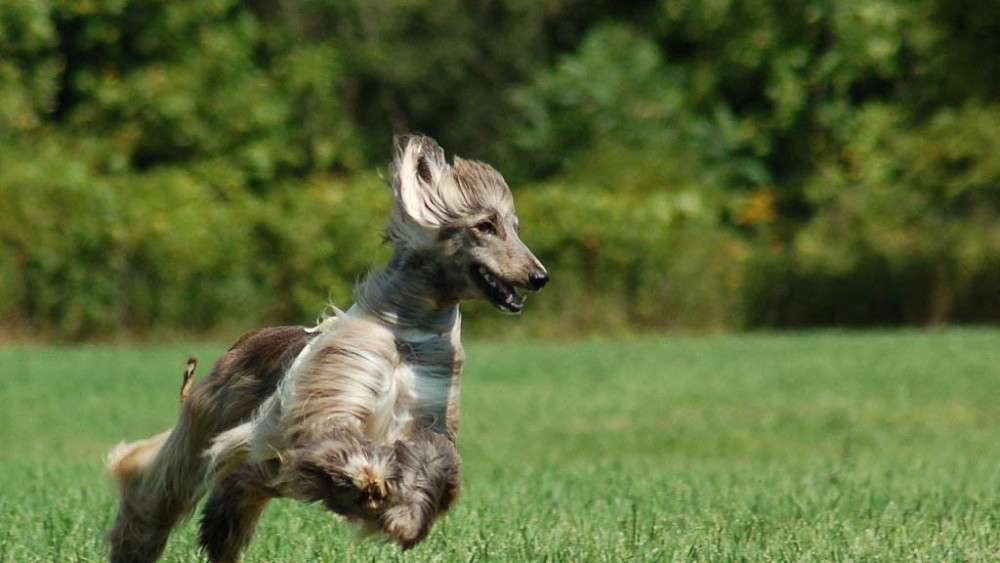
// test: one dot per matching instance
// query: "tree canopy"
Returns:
(677, 163)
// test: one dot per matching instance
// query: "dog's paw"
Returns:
(371, 479)
(406, 524)
(373, 483)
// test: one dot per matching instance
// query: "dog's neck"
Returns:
(410, 294)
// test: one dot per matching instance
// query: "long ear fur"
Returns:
(418, 169)
(421, 177)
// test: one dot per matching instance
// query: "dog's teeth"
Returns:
(482, 270)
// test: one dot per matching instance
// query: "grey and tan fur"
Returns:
(359, 413)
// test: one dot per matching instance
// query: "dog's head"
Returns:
(461, 216)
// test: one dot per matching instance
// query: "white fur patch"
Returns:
(287, 385)
(229, 448)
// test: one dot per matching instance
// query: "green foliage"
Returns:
(608, 251)
(908, 215)
(205, 165)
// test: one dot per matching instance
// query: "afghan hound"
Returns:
(359, 413)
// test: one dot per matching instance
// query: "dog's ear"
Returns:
(419, 169)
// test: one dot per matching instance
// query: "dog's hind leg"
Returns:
(161, 478)
(231, 513)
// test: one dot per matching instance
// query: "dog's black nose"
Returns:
(537, 280)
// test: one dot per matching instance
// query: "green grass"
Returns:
(810, 447)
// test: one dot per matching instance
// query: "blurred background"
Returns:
(207, 166)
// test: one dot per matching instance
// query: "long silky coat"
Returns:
(359, 413)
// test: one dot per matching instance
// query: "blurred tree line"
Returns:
(209, 164)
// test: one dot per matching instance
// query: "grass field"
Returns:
(808, 447)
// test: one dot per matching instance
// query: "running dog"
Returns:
(359, 413)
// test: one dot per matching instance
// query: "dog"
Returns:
(359, 413)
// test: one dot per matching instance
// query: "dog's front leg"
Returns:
(349, 474)
(427, 481)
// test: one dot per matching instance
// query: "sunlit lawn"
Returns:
(803, 447)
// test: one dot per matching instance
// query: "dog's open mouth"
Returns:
(501, 294)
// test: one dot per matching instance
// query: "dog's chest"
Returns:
(419, 390)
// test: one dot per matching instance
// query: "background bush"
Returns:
(211, 165)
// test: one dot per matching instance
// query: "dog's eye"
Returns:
(486, 227)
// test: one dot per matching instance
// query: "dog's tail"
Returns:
(160, 480)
